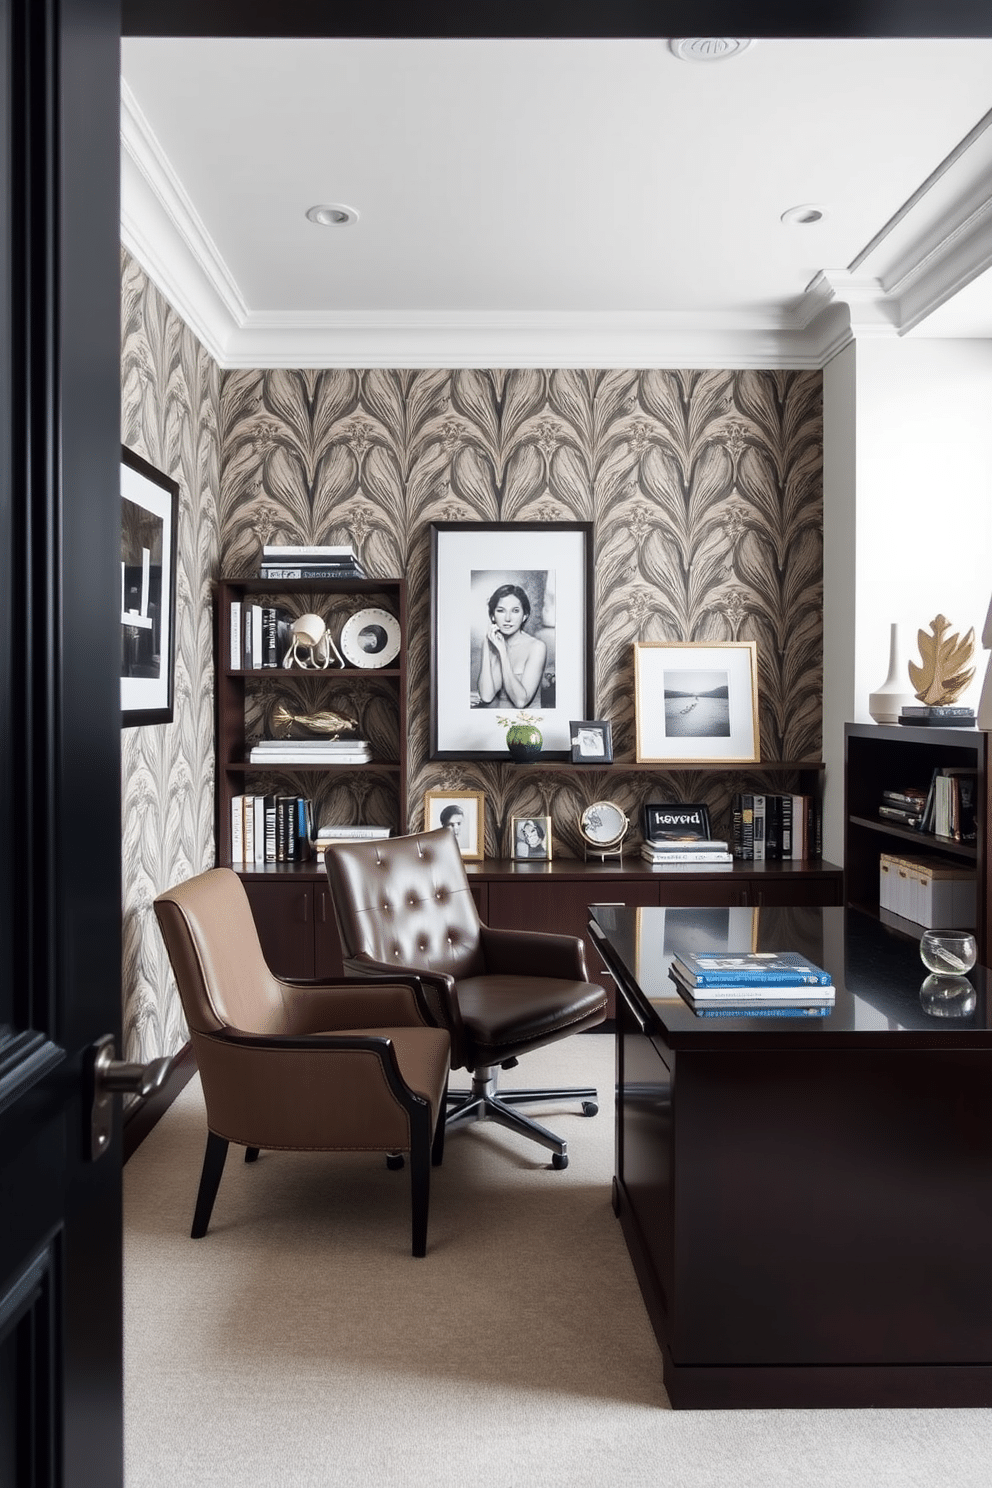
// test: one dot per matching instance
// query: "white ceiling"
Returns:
(559, 202)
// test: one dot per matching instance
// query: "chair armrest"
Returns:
(350, 1002)
(534, 953)
(438, 989)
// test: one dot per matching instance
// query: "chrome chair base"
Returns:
(483, 1103)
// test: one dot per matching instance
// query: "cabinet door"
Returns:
(797, 890)
(284, 919)
(326, 941)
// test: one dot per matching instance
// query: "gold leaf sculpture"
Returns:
(945, 672)
(283, 723)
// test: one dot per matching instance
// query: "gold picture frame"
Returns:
(464, 811)
(696, 702)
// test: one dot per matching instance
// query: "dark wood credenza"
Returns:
(807, 1201)
(296, 925)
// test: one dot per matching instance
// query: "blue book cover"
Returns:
(764, 1012)
(749, 969)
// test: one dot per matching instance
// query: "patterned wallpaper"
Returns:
(170, 393)
(706, 493)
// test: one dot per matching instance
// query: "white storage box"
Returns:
(929, 891)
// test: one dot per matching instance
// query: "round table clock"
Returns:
(371, 638)
(603, 826)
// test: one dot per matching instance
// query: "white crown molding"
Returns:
(937, 243)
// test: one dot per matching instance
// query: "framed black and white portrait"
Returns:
(530, 839)
(592, 741)
(464, 813)
(511, 627)
(149, 518)
(696, 702)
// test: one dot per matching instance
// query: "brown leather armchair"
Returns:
(300, 1066)
(404, 904)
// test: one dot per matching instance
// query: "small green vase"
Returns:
(524, 741)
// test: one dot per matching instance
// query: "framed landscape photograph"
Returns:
(511, 632)
(464, 812)
(592, 741)
(696, 702)
(530, 839)
(149, 518)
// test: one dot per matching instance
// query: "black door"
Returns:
(60, 1272)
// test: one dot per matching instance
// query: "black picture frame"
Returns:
(149, 523)
(551, 565)
(667, 821)
(591, 741)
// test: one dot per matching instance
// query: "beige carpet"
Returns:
(300, 1344)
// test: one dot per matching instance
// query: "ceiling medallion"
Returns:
(708, 48)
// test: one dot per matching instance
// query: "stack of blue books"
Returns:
(749, 984)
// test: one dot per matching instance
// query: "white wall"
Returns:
(907, 518)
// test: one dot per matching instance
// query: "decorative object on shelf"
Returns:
(530, 839)
(371, 638)
(524, 739)
(944, 673)
(886, 702)
(948, 996)
(948, 952)
(149, 519)
(603, 827)
(464, 812)
(311, 646)
(592, 741)
(984, 719)
(285, 724)
(696, 702)
(511, 626)
(675, 821)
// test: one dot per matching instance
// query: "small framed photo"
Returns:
(592, 741)
(464, 812)
(696, 702)
(530, 839)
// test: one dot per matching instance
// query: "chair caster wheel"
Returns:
(590, 1108)
(559, 1160)
(394, 1161)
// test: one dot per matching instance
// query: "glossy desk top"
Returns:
(877, 975)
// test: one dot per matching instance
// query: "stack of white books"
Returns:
(310, 752)
(699, 852)
(309, 561)
(752, 984)
(348, 832)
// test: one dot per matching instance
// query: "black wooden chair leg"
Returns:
(437, 1150)
(213, 1167)
(251, 1154)
(420, 1179)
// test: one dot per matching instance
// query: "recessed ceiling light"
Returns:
(803, 216)
(332, 215)
(708, 48)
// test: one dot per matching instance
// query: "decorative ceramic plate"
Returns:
(371, 638)
(603, 824)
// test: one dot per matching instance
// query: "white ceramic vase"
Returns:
(886, 703)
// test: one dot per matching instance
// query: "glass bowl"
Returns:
(952, 952)
(948, 996)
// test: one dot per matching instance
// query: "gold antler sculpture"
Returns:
(945, 673)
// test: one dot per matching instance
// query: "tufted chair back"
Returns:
(406, 901)
(212, 942)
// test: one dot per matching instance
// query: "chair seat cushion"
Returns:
(507, 1015)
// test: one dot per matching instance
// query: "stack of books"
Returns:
(347, 832)
(905, 807)
(773, 827)
(722, 984)
(310, 562)
(690, 852)
(310, 752)
(260, 635)
(270, 829)
(946, 716)
(677, 836)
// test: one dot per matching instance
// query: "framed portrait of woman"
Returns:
(511, 633)
(530, 839)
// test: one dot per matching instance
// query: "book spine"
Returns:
(270, 829)
(324, 571)
(237, 829)
(798, 828)
(759, 828)
(721, 980)
(259, 829)
(237, 644)
(246, 634)
(749, 1012)
(688, 857)
(257, 651)
(269, 637)
(773, 828)
(248, 854)
(785, 837)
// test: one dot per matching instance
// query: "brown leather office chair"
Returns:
(404, 903)
(300, 1066)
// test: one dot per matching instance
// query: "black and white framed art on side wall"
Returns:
(149, 518)
(511, 631)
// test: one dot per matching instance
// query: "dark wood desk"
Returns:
(807, 1202)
